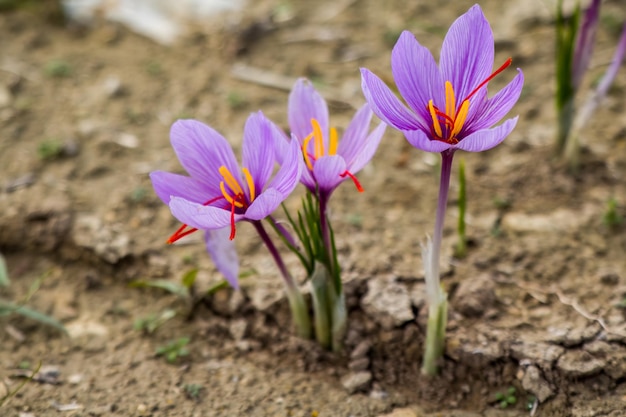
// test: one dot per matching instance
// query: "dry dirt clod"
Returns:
(388, 302)
(402, 412)
(474, 296)
(356, 381)
(534, 382)
(577, 363)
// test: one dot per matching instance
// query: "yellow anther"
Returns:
(319, 138)
(305, 151)
(332, 144)
(459, 120)
(251, 187)
(231, 181)
(450, 100)
(228, 197)
(433, 115)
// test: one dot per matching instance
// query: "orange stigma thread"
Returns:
(447, 125)
(236, 197)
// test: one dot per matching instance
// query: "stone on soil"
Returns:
(356, 381)
(474, 296)
(388, 303)
(576, 363)
(534, 383)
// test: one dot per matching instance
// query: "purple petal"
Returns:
(224, 254)
(467, 53)
(585, 43)
(305, 103)
(496, 107)
(167, 184)
(259, 149)
(354, 137)
(487, 138)
(199, 216)
(289, 173)
(385, 104)
(611, 72)
(421, 141)
(368, 150)
(327, 171)
(416, 75)
(594, 101)
(307, 180)
(281, 144)
(202, 151)
(265, 204)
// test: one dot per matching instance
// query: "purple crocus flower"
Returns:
(329, 161)
(448, 107)
(585, 43)
(216, 195)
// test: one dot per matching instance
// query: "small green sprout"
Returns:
(174, 349)
(154, 68)
(390, 37)
(152, 322)
(8, 308)
(50, 149)
(192, 391)
(612, 218)
(236, 100)
(138, 194)
(58, 68)
(501, 203)
(507, 398)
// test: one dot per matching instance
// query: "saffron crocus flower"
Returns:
(448, 109)
(328, 160)
(448, 104)
(218, 193)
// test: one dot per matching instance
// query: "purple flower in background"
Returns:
(216, 195)
(448, 107)
(329, 161)
(584, 43)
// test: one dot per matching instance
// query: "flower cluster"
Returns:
(218, 192)
(446, 108)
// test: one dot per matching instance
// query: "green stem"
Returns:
(297, 304)
(437, 304)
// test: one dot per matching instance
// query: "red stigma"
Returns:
(504, 66)
(181, 232)
(356, 182)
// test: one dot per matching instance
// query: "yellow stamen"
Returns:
(459, 119)
(433, 115)
(319, 139)
(305, 151)
(251, 187)
(332, 144)
(450, 100)
(231, 181)
(228, 197)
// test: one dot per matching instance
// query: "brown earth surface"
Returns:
(537, 304)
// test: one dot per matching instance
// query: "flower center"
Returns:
(318, 149)
(318, 144)
(446, 125)
(235, 196)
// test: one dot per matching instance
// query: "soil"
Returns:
(537, 303)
